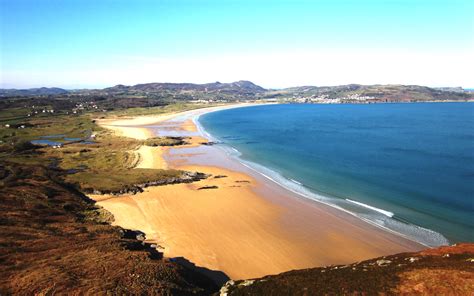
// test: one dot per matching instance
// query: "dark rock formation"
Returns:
(210, 143)
(207, 187)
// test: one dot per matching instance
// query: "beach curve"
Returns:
(235, 221)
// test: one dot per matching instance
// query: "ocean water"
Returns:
(408, 168)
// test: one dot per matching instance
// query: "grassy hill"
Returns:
(441, 271)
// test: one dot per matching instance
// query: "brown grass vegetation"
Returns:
(54, 240)
(443, 271)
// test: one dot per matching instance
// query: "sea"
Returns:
(407, 168)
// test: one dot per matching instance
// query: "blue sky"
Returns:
(91, 43)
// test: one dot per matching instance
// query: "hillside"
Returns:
(441, 271)
(155, 94)
(371, 93)
(239, 86)
(189, 91)
(43, 91)
(54, 240)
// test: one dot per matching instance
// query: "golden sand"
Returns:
(235, 227)
(189, 126)
(151, 157)
(135, 121)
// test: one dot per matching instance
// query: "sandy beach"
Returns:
(236, 221)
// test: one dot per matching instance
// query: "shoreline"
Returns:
(303, 192)
(280, 231)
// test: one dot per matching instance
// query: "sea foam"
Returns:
(378, 217)
(386, 213)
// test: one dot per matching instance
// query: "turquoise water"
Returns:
(405, 167)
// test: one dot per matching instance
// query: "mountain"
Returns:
(42, 91)
(443, 271)
(148, 94)
(238, 87)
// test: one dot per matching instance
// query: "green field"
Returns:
(104, 165)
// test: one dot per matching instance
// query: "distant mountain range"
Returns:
(376, 93)
(246, 90)
(42, 91)
(234, 87)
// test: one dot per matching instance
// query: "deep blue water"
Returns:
(413, 161)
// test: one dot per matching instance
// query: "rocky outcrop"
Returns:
(165, 141)
(208, 187)
(186, 177)
(134, 240)
(210, 143)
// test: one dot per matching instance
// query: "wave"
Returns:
(386, 213)
(294, 181)
(375, 216)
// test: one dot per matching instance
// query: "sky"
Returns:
(276, 44)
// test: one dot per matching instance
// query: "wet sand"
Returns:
(237, 221)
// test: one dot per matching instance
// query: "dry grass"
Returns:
(53, 240)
